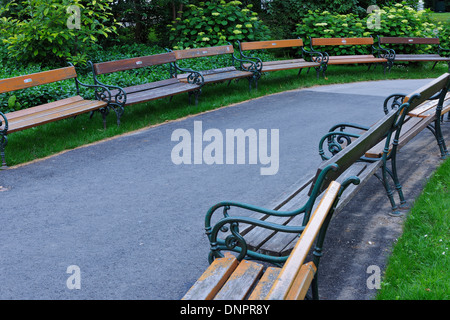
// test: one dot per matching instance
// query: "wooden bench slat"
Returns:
(296, 259)
(20, 113)
(288, 66)
(218, 272)
(265, 283)
(147, 86)
(241, 281)
(37, 79)
(56, 114)
(162, 92)
(133, 63)
(203, 52)
(341, 41)
(282, 243)
(338, 60)
(207, 72)
(410, 40)
(406, 57)
(271, 44)
(223, 76)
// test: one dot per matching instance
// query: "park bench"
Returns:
(270, 235)
(429, 114)
(222, 74)
(377, 56)
(49, 112)
(229, 279)
(284, 64)
(399, 57)
(149, 91)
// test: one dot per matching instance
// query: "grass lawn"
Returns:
(420, 263)
(444, 17)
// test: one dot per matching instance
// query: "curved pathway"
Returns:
(131, 220)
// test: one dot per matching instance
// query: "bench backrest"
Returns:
(385, 127)
(406, 40)
(133, 63)
(203, 52)
(341, 41)
(271, 44)
(285, 286)
(37, 79)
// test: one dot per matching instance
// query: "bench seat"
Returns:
(222, 74)
(49, 112)
(420, 57)
(156, 90)
(334, 60)
(219, 75)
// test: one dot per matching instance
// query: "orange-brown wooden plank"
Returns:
(161, 92)
(36, 79)
(302, 282)
(341, 41)
(429, 107)
(203, 52)
(212, 280)
(58, 114)
(271, 44)
(134, 63)
(241, 281)
(411, 40)
(289, 66)
(51, 105)
(264, 284)
(298, 255)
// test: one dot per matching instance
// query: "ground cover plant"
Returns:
(418, 267)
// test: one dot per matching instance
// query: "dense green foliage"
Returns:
(55, 30)
(213, 23)
(396, 21)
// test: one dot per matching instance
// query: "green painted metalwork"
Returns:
(236, 242)
(117, 101)
(3, 138)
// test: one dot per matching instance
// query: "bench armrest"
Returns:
(236, 242)
(194, 77)
(336, 141)
(316, 56)
(385, 53)
(120, 97)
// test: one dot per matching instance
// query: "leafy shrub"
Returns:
(328, 25)
(211, 23)
(399, 20)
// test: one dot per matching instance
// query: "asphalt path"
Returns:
(127, 219)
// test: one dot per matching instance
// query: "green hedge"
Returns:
(399, 20)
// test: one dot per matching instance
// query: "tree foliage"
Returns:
(55, 30)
